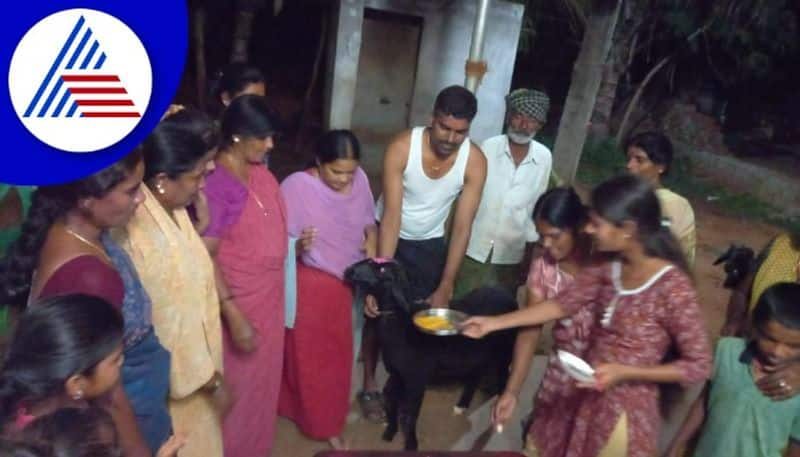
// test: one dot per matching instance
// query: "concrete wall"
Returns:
(344, 44)
(443, 51)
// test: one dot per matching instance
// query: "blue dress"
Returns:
(145, 371)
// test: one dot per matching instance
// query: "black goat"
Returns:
(412, 357)
(738, 260)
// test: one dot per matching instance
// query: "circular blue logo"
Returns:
(87, 82)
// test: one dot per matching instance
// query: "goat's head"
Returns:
(385, 279)
(737, 261)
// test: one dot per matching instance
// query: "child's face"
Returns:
(777, 344)
(106, 375)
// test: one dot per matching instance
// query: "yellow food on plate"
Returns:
(433, 323)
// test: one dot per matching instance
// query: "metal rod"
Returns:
(476, 49)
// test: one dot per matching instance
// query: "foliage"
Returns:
(600, 160)
(745, 39)
(574, 10)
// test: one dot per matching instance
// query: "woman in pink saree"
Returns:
(247, 238)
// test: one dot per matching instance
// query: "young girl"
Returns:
(74, 432)
(66, 352)
(559, 216)
(642, 303)
(64, 248)
(737, 418)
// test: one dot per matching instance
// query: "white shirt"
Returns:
(504, 221)
(427, 201)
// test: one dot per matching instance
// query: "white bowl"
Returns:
(575, 367)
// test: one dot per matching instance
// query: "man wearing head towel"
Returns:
(518, 170)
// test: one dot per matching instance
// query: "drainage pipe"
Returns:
(476, 66)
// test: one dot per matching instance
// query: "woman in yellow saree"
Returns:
(177, 272)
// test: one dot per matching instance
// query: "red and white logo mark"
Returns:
(80, 80)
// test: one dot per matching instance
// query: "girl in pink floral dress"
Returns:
(642, 304)
(559, 216)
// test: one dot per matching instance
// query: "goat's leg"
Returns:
(470, 386)
(412, 404)
(392, 393)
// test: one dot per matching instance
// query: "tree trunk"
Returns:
(199, 38)
(631, 16)
(241, 35)
(586, 77)
(600, 127)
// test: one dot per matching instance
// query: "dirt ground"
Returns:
(439, 429)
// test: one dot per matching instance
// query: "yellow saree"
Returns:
(175, 268)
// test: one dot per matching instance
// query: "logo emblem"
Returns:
(80, 80)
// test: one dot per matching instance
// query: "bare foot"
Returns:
(338, 443)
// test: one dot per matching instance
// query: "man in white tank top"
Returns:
(425, 169)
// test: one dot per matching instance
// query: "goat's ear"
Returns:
(725, 255)
(359, 272)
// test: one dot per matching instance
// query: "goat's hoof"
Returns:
(458, 411)
(388, 435)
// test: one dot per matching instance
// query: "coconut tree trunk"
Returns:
(586, 78)
(632, 15)
(600, 126)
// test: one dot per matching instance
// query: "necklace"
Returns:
(88, 243)
(258, 202)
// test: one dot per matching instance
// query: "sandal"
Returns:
(371, 404)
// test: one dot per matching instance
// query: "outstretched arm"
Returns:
(466, 208)
(524, 349)
(477, 327)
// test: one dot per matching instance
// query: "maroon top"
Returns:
(634, 327)
(86, 274)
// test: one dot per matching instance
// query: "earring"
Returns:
(78, 395)
(236, 139)
(160, 188)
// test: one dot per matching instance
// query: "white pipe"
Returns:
(476, 50)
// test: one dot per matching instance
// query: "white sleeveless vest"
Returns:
(426, 201)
